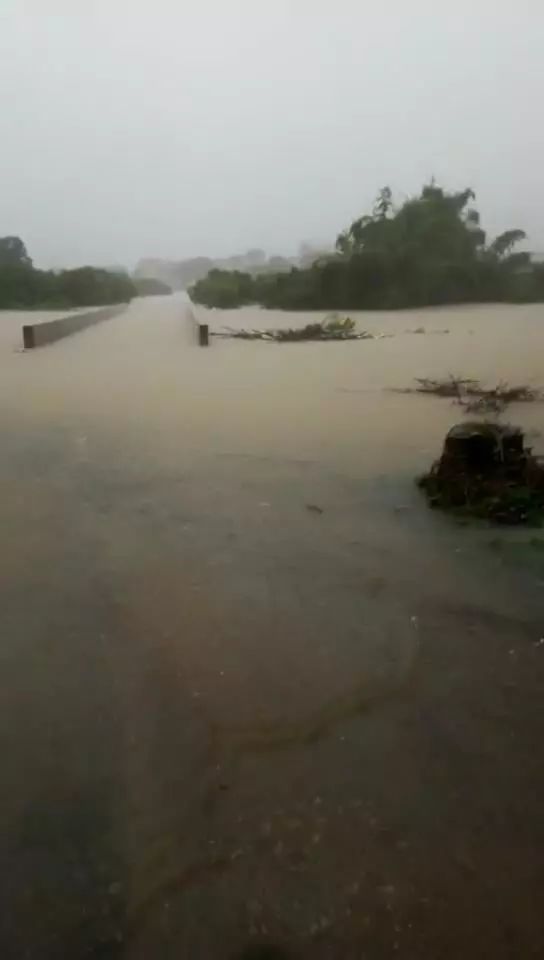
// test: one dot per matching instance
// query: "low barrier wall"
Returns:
(39, 334)
(202, 330)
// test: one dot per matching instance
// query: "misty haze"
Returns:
(272, 474)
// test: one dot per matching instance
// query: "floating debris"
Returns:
(473, 397)
(454, 387)
(496, 399)
(423, 330)
(486, 471)
(451, 387)
(332, 328)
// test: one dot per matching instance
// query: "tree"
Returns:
(24, 287)
(13, 253)
(430, 250)
(503, 244)
(383, 204)
(367, 230)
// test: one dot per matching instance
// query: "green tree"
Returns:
(24, 287)
(504, 243)
(430, 250)
(13, 253)
(383, 204)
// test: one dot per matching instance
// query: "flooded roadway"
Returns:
(252, 690)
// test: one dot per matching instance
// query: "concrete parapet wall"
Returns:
(40, 334)
(202, 330)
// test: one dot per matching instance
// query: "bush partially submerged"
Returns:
(486, 471)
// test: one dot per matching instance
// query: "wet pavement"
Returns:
(253, 691)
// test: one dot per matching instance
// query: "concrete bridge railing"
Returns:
(202, 330)
(40, 334)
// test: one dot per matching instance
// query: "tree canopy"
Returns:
(13, 253)
(24, 287)
(429, 250)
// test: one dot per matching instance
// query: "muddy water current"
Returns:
(253, 691)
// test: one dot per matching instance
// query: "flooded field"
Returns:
(253, 689)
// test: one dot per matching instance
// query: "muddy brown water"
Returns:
(253, 691)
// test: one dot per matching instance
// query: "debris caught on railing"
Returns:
(332, 328)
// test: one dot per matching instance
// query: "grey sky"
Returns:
(182, 127)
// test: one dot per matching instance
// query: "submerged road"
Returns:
(252, 692)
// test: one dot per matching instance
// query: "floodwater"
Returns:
(253, 690)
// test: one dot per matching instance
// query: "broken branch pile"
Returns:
(475, 398)
(332, 328)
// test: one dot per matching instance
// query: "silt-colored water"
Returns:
(252, 688)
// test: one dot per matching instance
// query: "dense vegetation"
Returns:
(22, 286)
(430, 250)
(149, 287)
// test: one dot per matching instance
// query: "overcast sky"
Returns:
(181, 127)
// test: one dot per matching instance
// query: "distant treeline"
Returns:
(22, 286)
(430, 250)
(180, 274)
(149, 287)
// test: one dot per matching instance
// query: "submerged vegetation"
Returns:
(22, 286)
(487, 472)
(429, 250)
